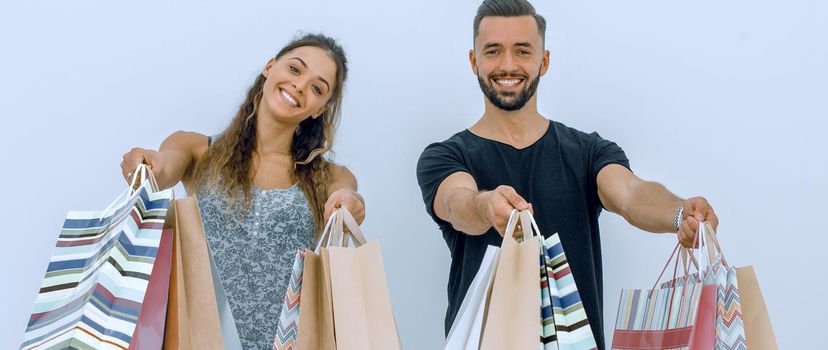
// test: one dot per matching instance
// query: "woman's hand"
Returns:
(348, 198)
(138, 156)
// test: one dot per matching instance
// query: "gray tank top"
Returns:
(254, 253)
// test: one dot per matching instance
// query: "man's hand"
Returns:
(496, 205)
(696, 210)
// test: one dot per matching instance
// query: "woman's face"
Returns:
(298, 84)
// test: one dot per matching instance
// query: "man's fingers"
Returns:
(500, 226)
(686, 234)
(514, 199)
(694, 224)
(690, 226)
(714, 219)
(699, 208)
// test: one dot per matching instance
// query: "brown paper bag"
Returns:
(316, 328)
(513, 314)
(363, 316)
(758, 330)
(192, 315)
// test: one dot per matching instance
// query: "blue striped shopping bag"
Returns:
(94, 287)
(564, 323)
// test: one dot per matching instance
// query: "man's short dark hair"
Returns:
(508, 8)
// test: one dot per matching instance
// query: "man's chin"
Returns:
(509, 106)
(507, 95)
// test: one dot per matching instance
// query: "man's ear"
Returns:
(473, 61)
(545, 62)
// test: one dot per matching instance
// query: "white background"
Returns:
(720, 98)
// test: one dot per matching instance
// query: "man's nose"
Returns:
(508, 63)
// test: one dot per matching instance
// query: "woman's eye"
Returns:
(317, 90)
(294, 69)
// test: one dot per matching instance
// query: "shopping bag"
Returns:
(316, 322)
(758, 329)
(98, 276)
(363, 317)
(513, 316)
(149, 331)
(679, 314)
(227, 323)
(287, 329)
(192, 314)
(565, 324)
(468, 324)
(730, 331)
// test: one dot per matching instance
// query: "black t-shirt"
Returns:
(557, 174)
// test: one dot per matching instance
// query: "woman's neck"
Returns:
(272, 136)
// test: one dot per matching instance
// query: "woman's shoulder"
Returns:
(191, 142)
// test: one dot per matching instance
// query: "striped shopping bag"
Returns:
(314, 284)
(730, 331)
(665, 318)
(564, 321)
(96, 280)
(679, 314)
(730, 327)
(287, 329)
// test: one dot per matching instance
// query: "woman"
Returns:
(263, 186)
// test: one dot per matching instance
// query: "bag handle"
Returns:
(533, 225)
(334, 235)
(688, 256)
(355, 233)
(325, 237)
(709, 243)
(683, 253)
(141, 175)
(713, 238)
(528, 226)
(669, 260)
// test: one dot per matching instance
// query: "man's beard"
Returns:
(507, 100)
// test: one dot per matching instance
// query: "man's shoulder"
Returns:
(570, 137)
(458, 142)
(565, 131)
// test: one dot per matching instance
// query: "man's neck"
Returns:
(520, 128)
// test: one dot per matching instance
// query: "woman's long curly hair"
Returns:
(228, 162)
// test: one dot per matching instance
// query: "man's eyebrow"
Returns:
(491, 45)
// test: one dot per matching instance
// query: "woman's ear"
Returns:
(321, 111)
(268, 66)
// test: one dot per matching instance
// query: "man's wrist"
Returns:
(479, 205)
(678, 217)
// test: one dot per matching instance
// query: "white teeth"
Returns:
(289, 98)
(509, 82)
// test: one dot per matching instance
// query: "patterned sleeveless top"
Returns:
(254, 251)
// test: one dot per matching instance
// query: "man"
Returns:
(514, 158)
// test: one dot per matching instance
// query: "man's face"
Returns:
(508, 60)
